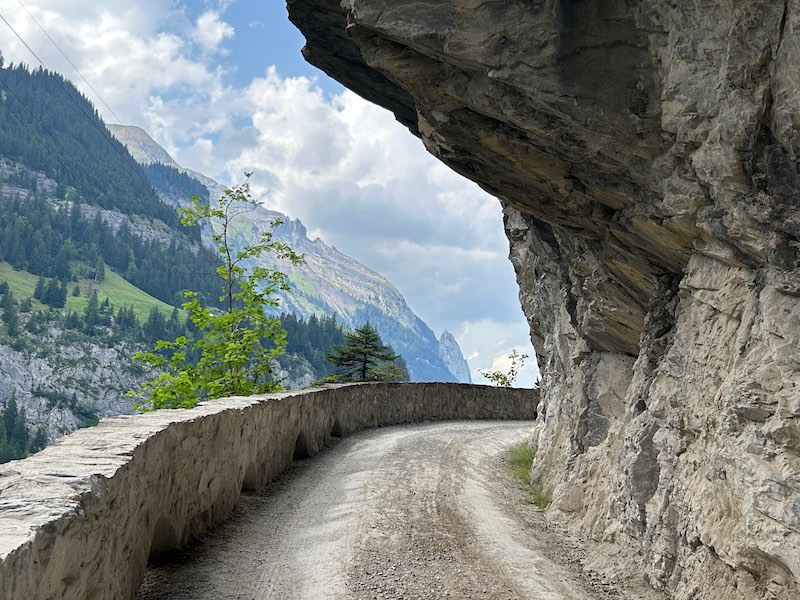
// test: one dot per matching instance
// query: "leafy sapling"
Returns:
(234, 349)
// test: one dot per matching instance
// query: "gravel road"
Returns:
(413, 512)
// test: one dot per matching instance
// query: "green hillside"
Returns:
(118, 291)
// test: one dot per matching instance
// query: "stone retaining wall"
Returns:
(81, 519)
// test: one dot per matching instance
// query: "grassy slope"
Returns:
(118, 291)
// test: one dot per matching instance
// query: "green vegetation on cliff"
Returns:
(15, 439)
(233, 350)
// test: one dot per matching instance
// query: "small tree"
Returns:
(364, 357)
(10, 314)
(236, 346)
(502, 379)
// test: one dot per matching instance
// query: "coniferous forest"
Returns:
(50, 128)
(44, 239)
(15, 439)
(48, 125)
(313, 339)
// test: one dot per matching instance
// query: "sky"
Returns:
(223, 87)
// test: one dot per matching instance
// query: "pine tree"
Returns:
(38, 441)
(61, 298)
(19, 436)
(91, 315)
(155, 328)
(364, 357)
(55, 294)
(73, 321)
(10, 314)
(5, 449)
(99, 269)
(41, 284)
(10, 416)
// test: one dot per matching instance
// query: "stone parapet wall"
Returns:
(81, 519)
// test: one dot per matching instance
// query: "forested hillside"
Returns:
(174, 183)
(92, 266)
(50, 238)
(49, 126)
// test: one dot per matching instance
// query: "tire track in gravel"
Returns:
(412, 512)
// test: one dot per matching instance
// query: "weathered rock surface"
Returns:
(65, 382)
(80, 519)
(646, 155)
(452, 357)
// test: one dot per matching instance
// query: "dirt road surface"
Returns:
(413, 512)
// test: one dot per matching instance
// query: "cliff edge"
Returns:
(645, 153)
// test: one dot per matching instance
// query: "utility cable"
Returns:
(75, 68)
(63, 164)
(127, 158)
(52, 41)
(104, 132)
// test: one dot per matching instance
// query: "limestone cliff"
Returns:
(645, 152)
(452, 357)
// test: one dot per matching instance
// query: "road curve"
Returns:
(412, 512)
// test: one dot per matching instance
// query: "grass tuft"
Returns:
(520, 461)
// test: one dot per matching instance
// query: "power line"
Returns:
(126, 157)
(99, 96)
(75, 68)
(86, 81)
(63, 164)
(104, 132)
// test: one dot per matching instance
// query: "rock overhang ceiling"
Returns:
(646, 156)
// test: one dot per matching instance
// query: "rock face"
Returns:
(452, 357)
(646, 156)
(67, 383)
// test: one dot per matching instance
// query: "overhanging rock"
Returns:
(646, 154)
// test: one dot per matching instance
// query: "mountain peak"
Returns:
(329, 282)
(453, 358)
(142, 147)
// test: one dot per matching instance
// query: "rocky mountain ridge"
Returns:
(451, 354)
(329, 282)
(645, 154)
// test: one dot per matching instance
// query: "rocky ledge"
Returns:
(646, 154)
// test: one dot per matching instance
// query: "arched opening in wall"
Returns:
(337, 430)
(165, 541)
(250, 481)
(301, 450)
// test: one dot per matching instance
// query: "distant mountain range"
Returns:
(329, 283)
(94, 260)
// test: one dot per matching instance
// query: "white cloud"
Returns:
(210, 31)
(487, 344)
